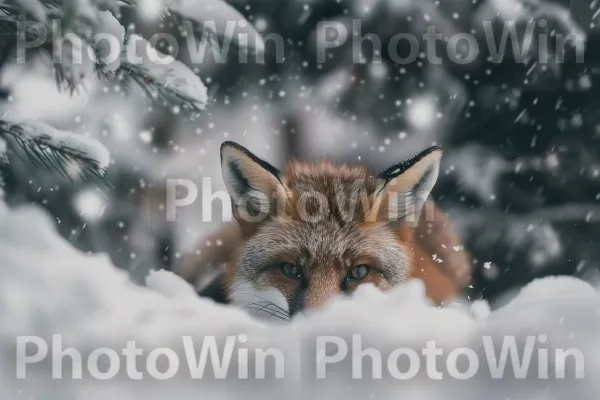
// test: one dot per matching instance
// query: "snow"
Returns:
(169, 284)
(48, 288)
(421, 114)
(90, 204)
(150, 10)
(43, 133)
(551, 287)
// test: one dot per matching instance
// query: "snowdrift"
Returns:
(47, 288)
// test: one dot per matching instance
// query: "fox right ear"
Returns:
(254, 185)
(403, 188)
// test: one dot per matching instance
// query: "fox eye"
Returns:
(289, 270)
(359, 272)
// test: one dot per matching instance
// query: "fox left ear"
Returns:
(254, 185)
(402, 189)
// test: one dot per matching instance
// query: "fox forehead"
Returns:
(321, 175)
(323, 191)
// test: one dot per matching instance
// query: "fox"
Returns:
(316, 230)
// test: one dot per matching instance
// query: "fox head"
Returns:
(317, 230)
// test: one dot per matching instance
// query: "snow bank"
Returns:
(49, 288)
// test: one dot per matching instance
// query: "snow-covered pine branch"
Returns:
(173, 82)
(85, 19)
(169, 81)
(43, 146)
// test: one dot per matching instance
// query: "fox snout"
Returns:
(283, 303)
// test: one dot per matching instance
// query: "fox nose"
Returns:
(320, 293)
(310, 303)
(319, 288)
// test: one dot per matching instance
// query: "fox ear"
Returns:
(254, 185)
(402, 189)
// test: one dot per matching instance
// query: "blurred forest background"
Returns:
(521, 173)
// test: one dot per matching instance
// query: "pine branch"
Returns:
(43, 147)
(156, 90)
(173, 83)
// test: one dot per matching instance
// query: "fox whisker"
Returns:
(268, 305)
(263, 309)
(281, 309)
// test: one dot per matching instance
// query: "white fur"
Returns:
(246, 295)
